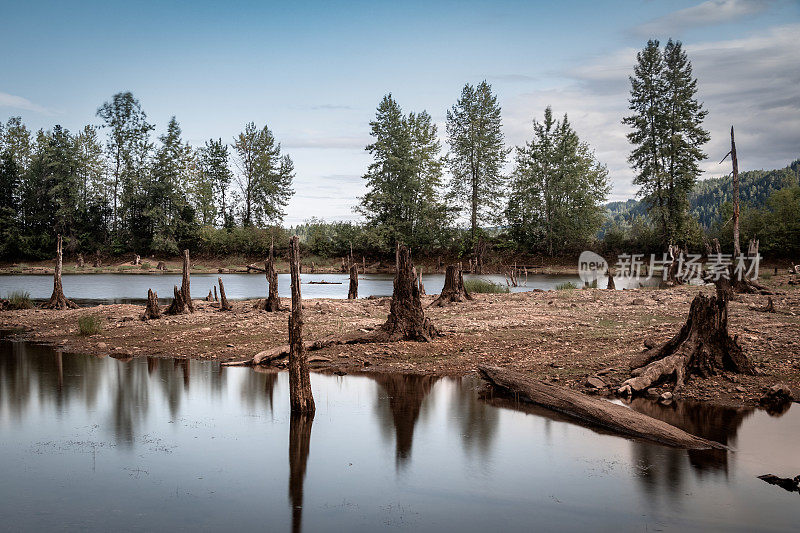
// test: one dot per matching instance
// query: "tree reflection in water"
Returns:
(405, 394)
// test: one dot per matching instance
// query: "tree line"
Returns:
(116, 187)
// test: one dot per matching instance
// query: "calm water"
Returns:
(115, 288)
(149, 444)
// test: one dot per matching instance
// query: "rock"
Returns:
(595, 383)
(666, 397)
(102, 345)
(777, 398)
(637, 301)
(604, 371)
(652, 393)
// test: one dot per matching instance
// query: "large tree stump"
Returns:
(453, 290)
(57, 299)
(185, 292)
(223, 300)
(152, 310)
(300, 397)
(273, 301)
(406, 320)
(178, 305)
(702, 347)
(352, 292)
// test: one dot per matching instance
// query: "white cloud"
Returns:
(18, 102)
(749, 82)
(706, 13)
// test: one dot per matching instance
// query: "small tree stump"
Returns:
(611, 285)
(178, 305)
(97, 262)
(137, 260)
(210, 297)
(223, 304)
(352, 292)
(80, 262)
(57, 299)
(185, 292)
(152, 310)
(406, 319)
(300, 396)
(161, 266)
(216, 299)
(453, 290)
(702, 347)
(273, 301)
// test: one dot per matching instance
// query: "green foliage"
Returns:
(477, 155)
(89, 325)
(557, 190)
(484, 286)
(667, 135)
(19, 300)
(566, 286)
(403, 202)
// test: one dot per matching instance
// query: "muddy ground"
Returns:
(561, 336)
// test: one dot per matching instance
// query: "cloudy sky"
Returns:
(314, 72)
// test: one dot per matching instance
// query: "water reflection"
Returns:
(184, 439)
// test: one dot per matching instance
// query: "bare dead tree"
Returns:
(57, 299)
(152, 310)
(300, 396)
(223, 303)
(352, 292)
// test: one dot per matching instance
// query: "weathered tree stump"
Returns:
(152, 310)
(137, 260)
(453, 290)
(406, 319)
(611, 285)
(702, 347)
(57, 299)
(223, 303)
(79, 263)
(210, 297)
(273, 301)
(161, 266)
(216, 298)
(300, 396)
(97, 261)
(352, 292)
(178, 305)
(185, 292)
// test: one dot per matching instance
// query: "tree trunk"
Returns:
(611, 285)
(702, 347)
(178, 305)
(79, 264)
(223, 304)
(210, 297)
(406, 320)
(137, 260)
(57, 299)
(216, 299)
(419, 282)
(152, 310)
(300, 396)
(453, 290)
(97, 261)
(185, 292)
(352, 293)
(595, 411)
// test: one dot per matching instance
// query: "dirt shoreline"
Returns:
(564, 337)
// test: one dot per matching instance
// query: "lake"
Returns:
(91, 444)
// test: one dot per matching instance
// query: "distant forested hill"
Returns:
(755, 187)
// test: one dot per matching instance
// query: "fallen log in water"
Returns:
(596, 411)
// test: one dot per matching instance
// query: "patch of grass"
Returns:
(485, 287)
(89, 325)
(19, 300)
(146, 266)
(566, 286)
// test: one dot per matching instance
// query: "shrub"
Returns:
(89, 325)
(19, 300)
(566, 286)
(484, 286)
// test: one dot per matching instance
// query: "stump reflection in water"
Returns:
(299, 447)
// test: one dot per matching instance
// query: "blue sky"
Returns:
(314, 72)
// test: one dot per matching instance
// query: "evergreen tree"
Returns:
(477, 154)
(558, 189)
(265, 177)
(213, 181)
(404, 178)
(667, 135)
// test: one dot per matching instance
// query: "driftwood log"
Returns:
(702, 347)
(352, 291)
(769, 308)
(223, 302)
(57, 299)
(300, 396)
(595, 411)
(152, 310)
(453, 290)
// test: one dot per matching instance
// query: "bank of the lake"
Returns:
(561, 336)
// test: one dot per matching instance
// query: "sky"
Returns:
(314, 72)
